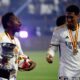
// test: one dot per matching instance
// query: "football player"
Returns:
(67, 39)
(11, 25)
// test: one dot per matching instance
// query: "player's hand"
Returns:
(27, 65)
(49, 58)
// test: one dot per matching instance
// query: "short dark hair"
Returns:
(61, 20)
(5, 19)
(73, 8)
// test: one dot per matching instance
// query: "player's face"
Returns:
(71, 18)
(15, 24)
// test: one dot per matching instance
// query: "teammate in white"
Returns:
(67, 39)
(11, 25)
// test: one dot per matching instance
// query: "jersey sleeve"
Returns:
(19, 46)
(54, 44)
(55, 41)
(20, 49)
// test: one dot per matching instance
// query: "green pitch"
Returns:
(43, 70)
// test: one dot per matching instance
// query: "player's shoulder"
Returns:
(17, 40)
(60, 28)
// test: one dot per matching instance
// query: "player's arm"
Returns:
(25, 63)
(51, 53)
(53, 47)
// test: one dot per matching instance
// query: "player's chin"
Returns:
(17, 30)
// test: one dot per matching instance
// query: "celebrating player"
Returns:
(67, 39)
(11, 25)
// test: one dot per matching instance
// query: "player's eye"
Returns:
(69, 17)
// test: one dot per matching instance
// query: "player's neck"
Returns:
(72, 27)
(10, 33)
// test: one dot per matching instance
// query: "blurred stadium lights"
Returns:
(38, 31)
(46, 9)
(43, 7)
(31, 8)
(22, 7)
(4, 3)
(65, 0)
(23, 34)
(33, 13)
(42, 1)
(56, 2)
(56, 5)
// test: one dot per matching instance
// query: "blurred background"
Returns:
(38, 18)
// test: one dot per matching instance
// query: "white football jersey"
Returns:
(5, 39)
(69, 63)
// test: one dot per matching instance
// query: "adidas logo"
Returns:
(66, 37)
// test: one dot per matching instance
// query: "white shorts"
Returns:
(67, 74)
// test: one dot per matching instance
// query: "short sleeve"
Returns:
(55, 38)
(19, 46)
